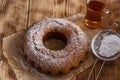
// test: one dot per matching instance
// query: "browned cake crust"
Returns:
(55, 61)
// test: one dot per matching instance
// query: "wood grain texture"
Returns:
(40, 9)
(13, 15)
(6, 73)
(13, 18)
(84, 75)
(111, 70)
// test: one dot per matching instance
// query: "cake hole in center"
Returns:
(54, 40)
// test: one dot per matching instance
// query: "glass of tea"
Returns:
(95, 12)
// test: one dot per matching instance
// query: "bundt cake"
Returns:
(59, 60)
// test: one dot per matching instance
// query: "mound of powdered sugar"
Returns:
(110, 46)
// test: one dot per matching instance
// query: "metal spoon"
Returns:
(95, 45)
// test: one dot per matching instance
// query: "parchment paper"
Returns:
(12, 49)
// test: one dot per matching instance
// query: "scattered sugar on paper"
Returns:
(110, 46)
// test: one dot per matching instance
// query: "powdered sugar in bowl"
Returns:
(106, 45)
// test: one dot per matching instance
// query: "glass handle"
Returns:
(107, 14)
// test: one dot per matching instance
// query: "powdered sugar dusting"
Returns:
(110, 46)
(55, 60)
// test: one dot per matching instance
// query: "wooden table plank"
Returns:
(13, 15)
(84, 75)
(13, 18)
(40, 9)
(110, 71)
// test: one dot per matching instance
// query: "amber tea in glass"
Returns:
(94, 13)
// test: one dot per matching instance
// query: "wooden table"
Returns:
(16, 15)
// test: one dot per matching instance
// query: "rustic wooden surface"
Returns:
(16, 15)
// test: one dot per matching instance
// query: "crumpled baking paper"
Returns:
(13, 51)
